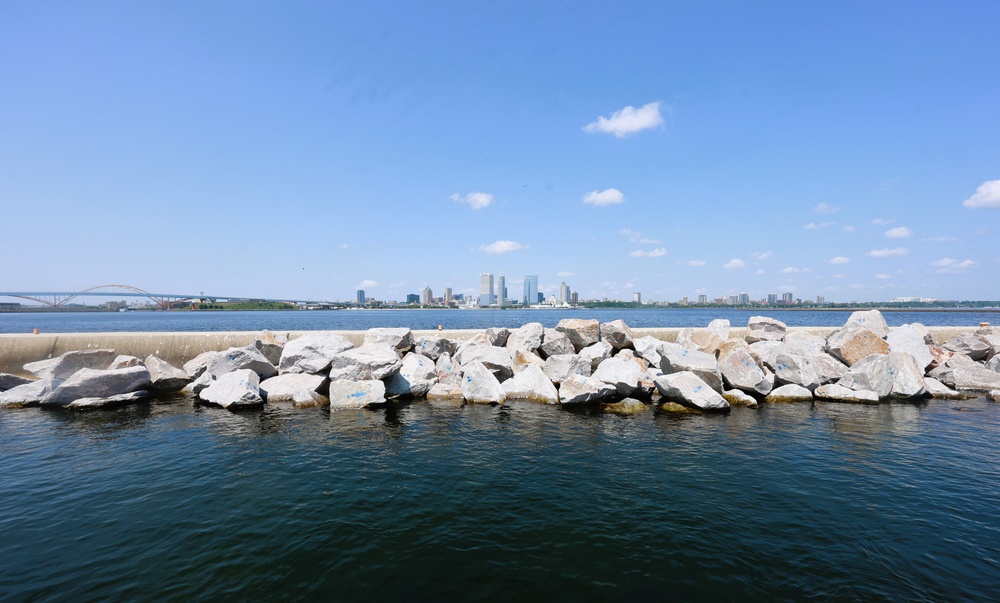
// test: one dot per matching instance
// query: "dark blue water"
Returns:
(181, 320)
(174, 502)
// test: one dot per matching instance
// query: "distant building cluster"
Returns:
(493, 293)
(743, 299)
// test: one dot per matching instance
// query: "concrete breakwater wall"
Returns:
(18, 349)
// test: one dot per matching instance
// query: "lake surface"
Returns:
(340, 320)
(174, 502)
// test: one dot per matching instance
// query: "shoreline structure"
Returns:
(580, 361)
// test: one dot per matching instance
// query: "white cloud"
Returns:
(941, 239)
(344, 245)
(815, 226)
(367, 284)
(759, 271)
(882, 277)
(761, 255)
(823, 208)
(882, 221)
(897, 252)
(899, 232)
(641, 253)
(609, 196)
(950, 266)
(697, 263)
(791, 270)
(839, 260)
(848, 229)
(943, 262)
(635, 236)
(987, 195)
(565, 274)
(474, 200)
(628, 121)
(836, 276)
(502, 247)
(734, 263)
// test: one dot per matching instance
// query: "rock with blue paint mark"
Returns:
(480, 386)
(291, 388)
(789, 393)
(740, 371)
(370, 361)
(676, 358)
(554, 343)
(247, 357)
(199, 364)
(400, 340)
(617, 334)
(234, 390)
(311, 353)
(871, 320)
(893, 375)
(531, 384)
(349, 393)
(578, 389)
(797, 370)
(581, 331)
(968, 344)
(433, 346)
(689, 389)
(762, 328)
(558, 368)
(648, 348)
(496, 359)
(415, 378)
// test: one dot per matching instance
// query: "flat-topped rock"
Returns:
(789, 393)
(64, 366)
(623, 373)
(351, 393)
(98, 383)
(762, 328)
(109, 401)
(869, 319)
(839, 393)
(291, 387)
(234, 359)
(579, 389)
(675, 358)
(531, 384)
(689, 389)
(311, 353)
(370, 361)
(239, 389)
(399, 339)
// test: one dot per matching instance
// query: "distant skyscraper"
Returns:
(540, 297)
(772, 299)
(786, 298)
(575, 298)
(702, 299)
(361, 297)
(530, 290)
(486, 296)
(744, 298)
(820, 299)
(412, 298)
(428, 297)
(447, 296)
(563, 293)
(637, 297)
(502, 291)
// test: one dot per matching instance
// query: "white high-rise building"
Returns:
(502, 291)
(637, 297)
(563, 293)
(530, 290)
(447, 296)
(486, 296)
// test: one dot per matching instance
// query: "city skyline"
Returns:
(703, 150)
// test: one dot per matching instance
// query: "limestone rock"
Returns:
(498, 336)
(702, 341)
(993, 364)
(796, 370)
(789, 393)
(433, 346)
(675, 358)
(963, 373)
(719, 326)
(124, 361)
(415, 378)
(199, 364)
(63, 367)
(558, 368)
(967, 344)
(400, 340)
(480, 386)
(496, 359)
(941, 356)
(311, 353)
(690, 390)
(910, 339)
(624, 374)
(477, 340)
(616, 334)
(370, 361)
(736, 397)
(739, 371)
(234, 390)
(164, 376)
(527, 337)
(804, 344)
(204, 380)
(648, 348)
(852, 343)
(291, 387)
(828, 368)
(579, 389)
(581, 331)
(98, 383)
(235, 359)
(869, 319)
(109, 402)
(555, 343)
(993, 341)
(765, 352)
(27, 394)
(519, 360)
(939, 390)
(447, 371)
(834, 391)
(446, 392)
(8, 381)
(762, 328)
(531, 384)
(597, 353)
(270, 346)
(350, 393)
(888, 375)
(626, 407)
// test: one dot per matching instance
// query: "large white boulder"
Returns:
(448, 372)
(199, 364)
(271, 345)
(689, 389)
(968, 344)
(719, 326)
(617, 334)
(496, 359)
(893, 375)
(433, 346)
(797, 370)
(351, 393)
(165, 377)
(63, 367)
(648, 348)
(558, 368)
(480, 386)
(497, 335)
(965, 374)
(291, 387)
(839, 393)
(27, 394)
(247, 357)
(623, 373)
(234, 390)
(555, 342)
(763, 328)
(580, 389)
(370, 361)
(701, 340)
(789, 393)
(581, 331)
(311, 353)
(97, 383)
(869, 319)
(520, 360)
(399, 339)
(736, 397)
(527, 337)
(910, 339)
(415, 378)
(675, 358)
(109, 401)
(740, 371)
(531, 384)
(446, 393)
(854, 342)
(597, 353)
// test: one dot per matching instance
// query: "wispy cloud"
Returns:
(565, 274)
(882, 221)
(941, 239)
(986, 196)
(642, 253)
(628, 121)
(792, 270)
(823, 208)
(609, 196)
(367, 284)
(502, 246)
(899, 232)
(898, 252)
(696, 262)
(950, 266)
(734, 263)
(474, 200)
(817, 226)
(761, 255)
(635, 236)
(839, 260)
(882, 277)
(848, 229)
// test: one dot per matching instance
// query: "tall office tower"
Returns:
(361, 297)
(486, 296)
(428, 297)
(540, 298)
(447, 296)
(772, 299)
(530, 290)
(637, 297)
(702, 299)
(412, 298)
(684, 300)
(786, 298)
(502, 290)
(733, 300)
(820, 299)
(744, 298)
(575, 297)
(563, 293)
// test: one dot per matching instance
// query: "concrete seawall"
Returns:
(18, 349)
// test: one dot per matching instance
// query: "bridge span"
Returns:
(58, 299)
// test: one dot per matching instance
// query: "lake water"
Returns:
(181, 320)
(176, 502)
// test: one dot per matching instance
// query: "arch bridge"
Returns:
(58, 299)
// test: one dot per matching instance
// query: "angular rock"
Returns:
(520, 360)
(648, 348)
(554, 343)
(579, 389)
(597, 353)
(888, 375)
(527, 338)
(762, 328)
(834, 391)
(789, 393)
(311, 353)
(448, 372)
(558, 368)
(736, 397)
(291, 387)
(497, 336)
(702, 341)
(63, 367)
(199, 364)
(616, 334)
(993, 364)
(719, 326)
(739, 371)
(496, 359)
(235, 359)
(446, 392)
(204, 380)
(941, 356)
(910, 339)
(690, 390)
(828, 368)
(480, 386)
(581, 331)
(765, 352)
(350, 393)
(675, 358)
(869, 319)
(477, 340)
(98, 383)
(124, 361)
(939, 390)
(433, 346)
(370, 361)
(796, 370)
(400, 339)
(531, 384)
(416, 376)
(28, 394)
(993, 341)
(804, 344)
(109, 402)
(852, 343)
(164, 376)
(963, 373)
(8, 381)
(270, 346)
(625, 374)
(967, 344)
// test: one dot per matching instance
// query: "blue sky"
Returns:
(845, 149)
